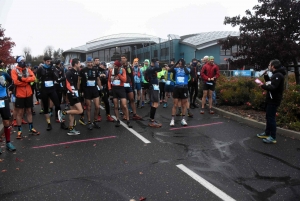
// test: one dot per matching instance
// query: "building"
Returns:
(143, 46)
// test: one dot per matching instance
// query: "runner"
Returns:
(60, 85)
(5, 82)
(104, 93)
(151, 78)
(89, 78)
(169, 86)
(181, 75)
(46, 76)
(195, 74)
(22, 77)
(97, 66)
(145, 84)
(129, 86)
(73, 97)
(116, 80)
(137, 80)
(209, 75)
(162, 76)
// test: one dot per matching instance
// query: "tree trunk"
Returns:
(297, 75)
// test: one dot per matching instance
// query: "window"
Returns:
(155, 54)
(101, 55)
(225, 52)
(164, 52)
(147, 55)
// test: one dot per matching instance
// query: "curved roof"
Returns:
(116, 40)
(205, 39)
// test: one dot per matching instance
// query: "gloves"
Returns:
(20, 77)
(110, 93)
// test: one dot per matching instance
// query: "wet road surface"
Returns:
(114, 164)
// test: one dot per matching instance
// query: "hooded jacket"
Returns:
(209, 71)
(23, 88)
(275, 89)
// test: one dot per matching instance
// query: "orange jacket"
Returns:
(23, 89)
(122, 78)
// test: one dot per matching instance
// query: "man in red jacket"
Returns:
(209, 75)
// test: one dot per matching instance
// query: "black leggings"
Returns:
(59, 95)
(105, 100)
(193, 87)
(162, 90)
(45, 95)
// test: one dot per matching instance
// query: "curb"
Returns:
(254, 123)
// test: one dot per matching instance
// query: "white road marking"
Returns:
(206, 184)
(133, 132)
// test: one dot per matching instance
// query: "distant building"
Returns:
(142, 46)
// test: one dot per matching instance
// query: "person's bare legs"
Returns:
(204, 98)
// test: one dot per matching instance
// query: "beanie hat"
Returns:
(117, 63)
(153, 60)
(211, 57)
(20, 58)
(89, 59)
(103, 63)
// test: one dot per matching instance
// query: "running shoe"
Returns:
(118, 123)
(202, 111)
(129, 124)
(143, 104)
(19, 135)
(49, 127)
(154, 124)
(165, 105)
(211, 112)
(10, 147)
(172, 123)
(90, 126)
(60, 115)
(195, 105)
(270, 140)
(262, 135)
(96, 125)
(99, 118)
(63, 126)
(136, 117)
(109, 118)
(81, 121)
(33, 132)
(73, 132)
(121, 112)
(192, 106)
(190, 114)
(183, 122)
(14, 123)
(41, 111)
(37, 103)
(23, 121)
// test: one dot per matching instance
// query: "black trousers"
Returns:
(45, 95)
(193, 92)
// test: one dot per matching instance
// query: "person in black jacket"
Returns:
(195, 74)
(274, 87)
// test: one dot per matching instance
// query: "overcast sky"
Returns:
(71, 23)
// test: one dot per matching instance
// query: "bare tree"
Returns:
(27, 53)
(48, 51)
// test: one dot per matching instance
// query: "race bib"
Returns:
(137, 80)
(116, 82)
(126, 85)
(168, 82)
(13, 98)
(91, 83)
(155, 87)
(2, 104)
(180, 80)
(76, 93)
(209, 83)
(198, 73)
(48, 83)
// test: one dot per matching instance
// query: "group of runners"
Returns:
(122, 85)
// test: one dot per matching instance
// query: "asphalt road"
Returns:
(213, 158)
